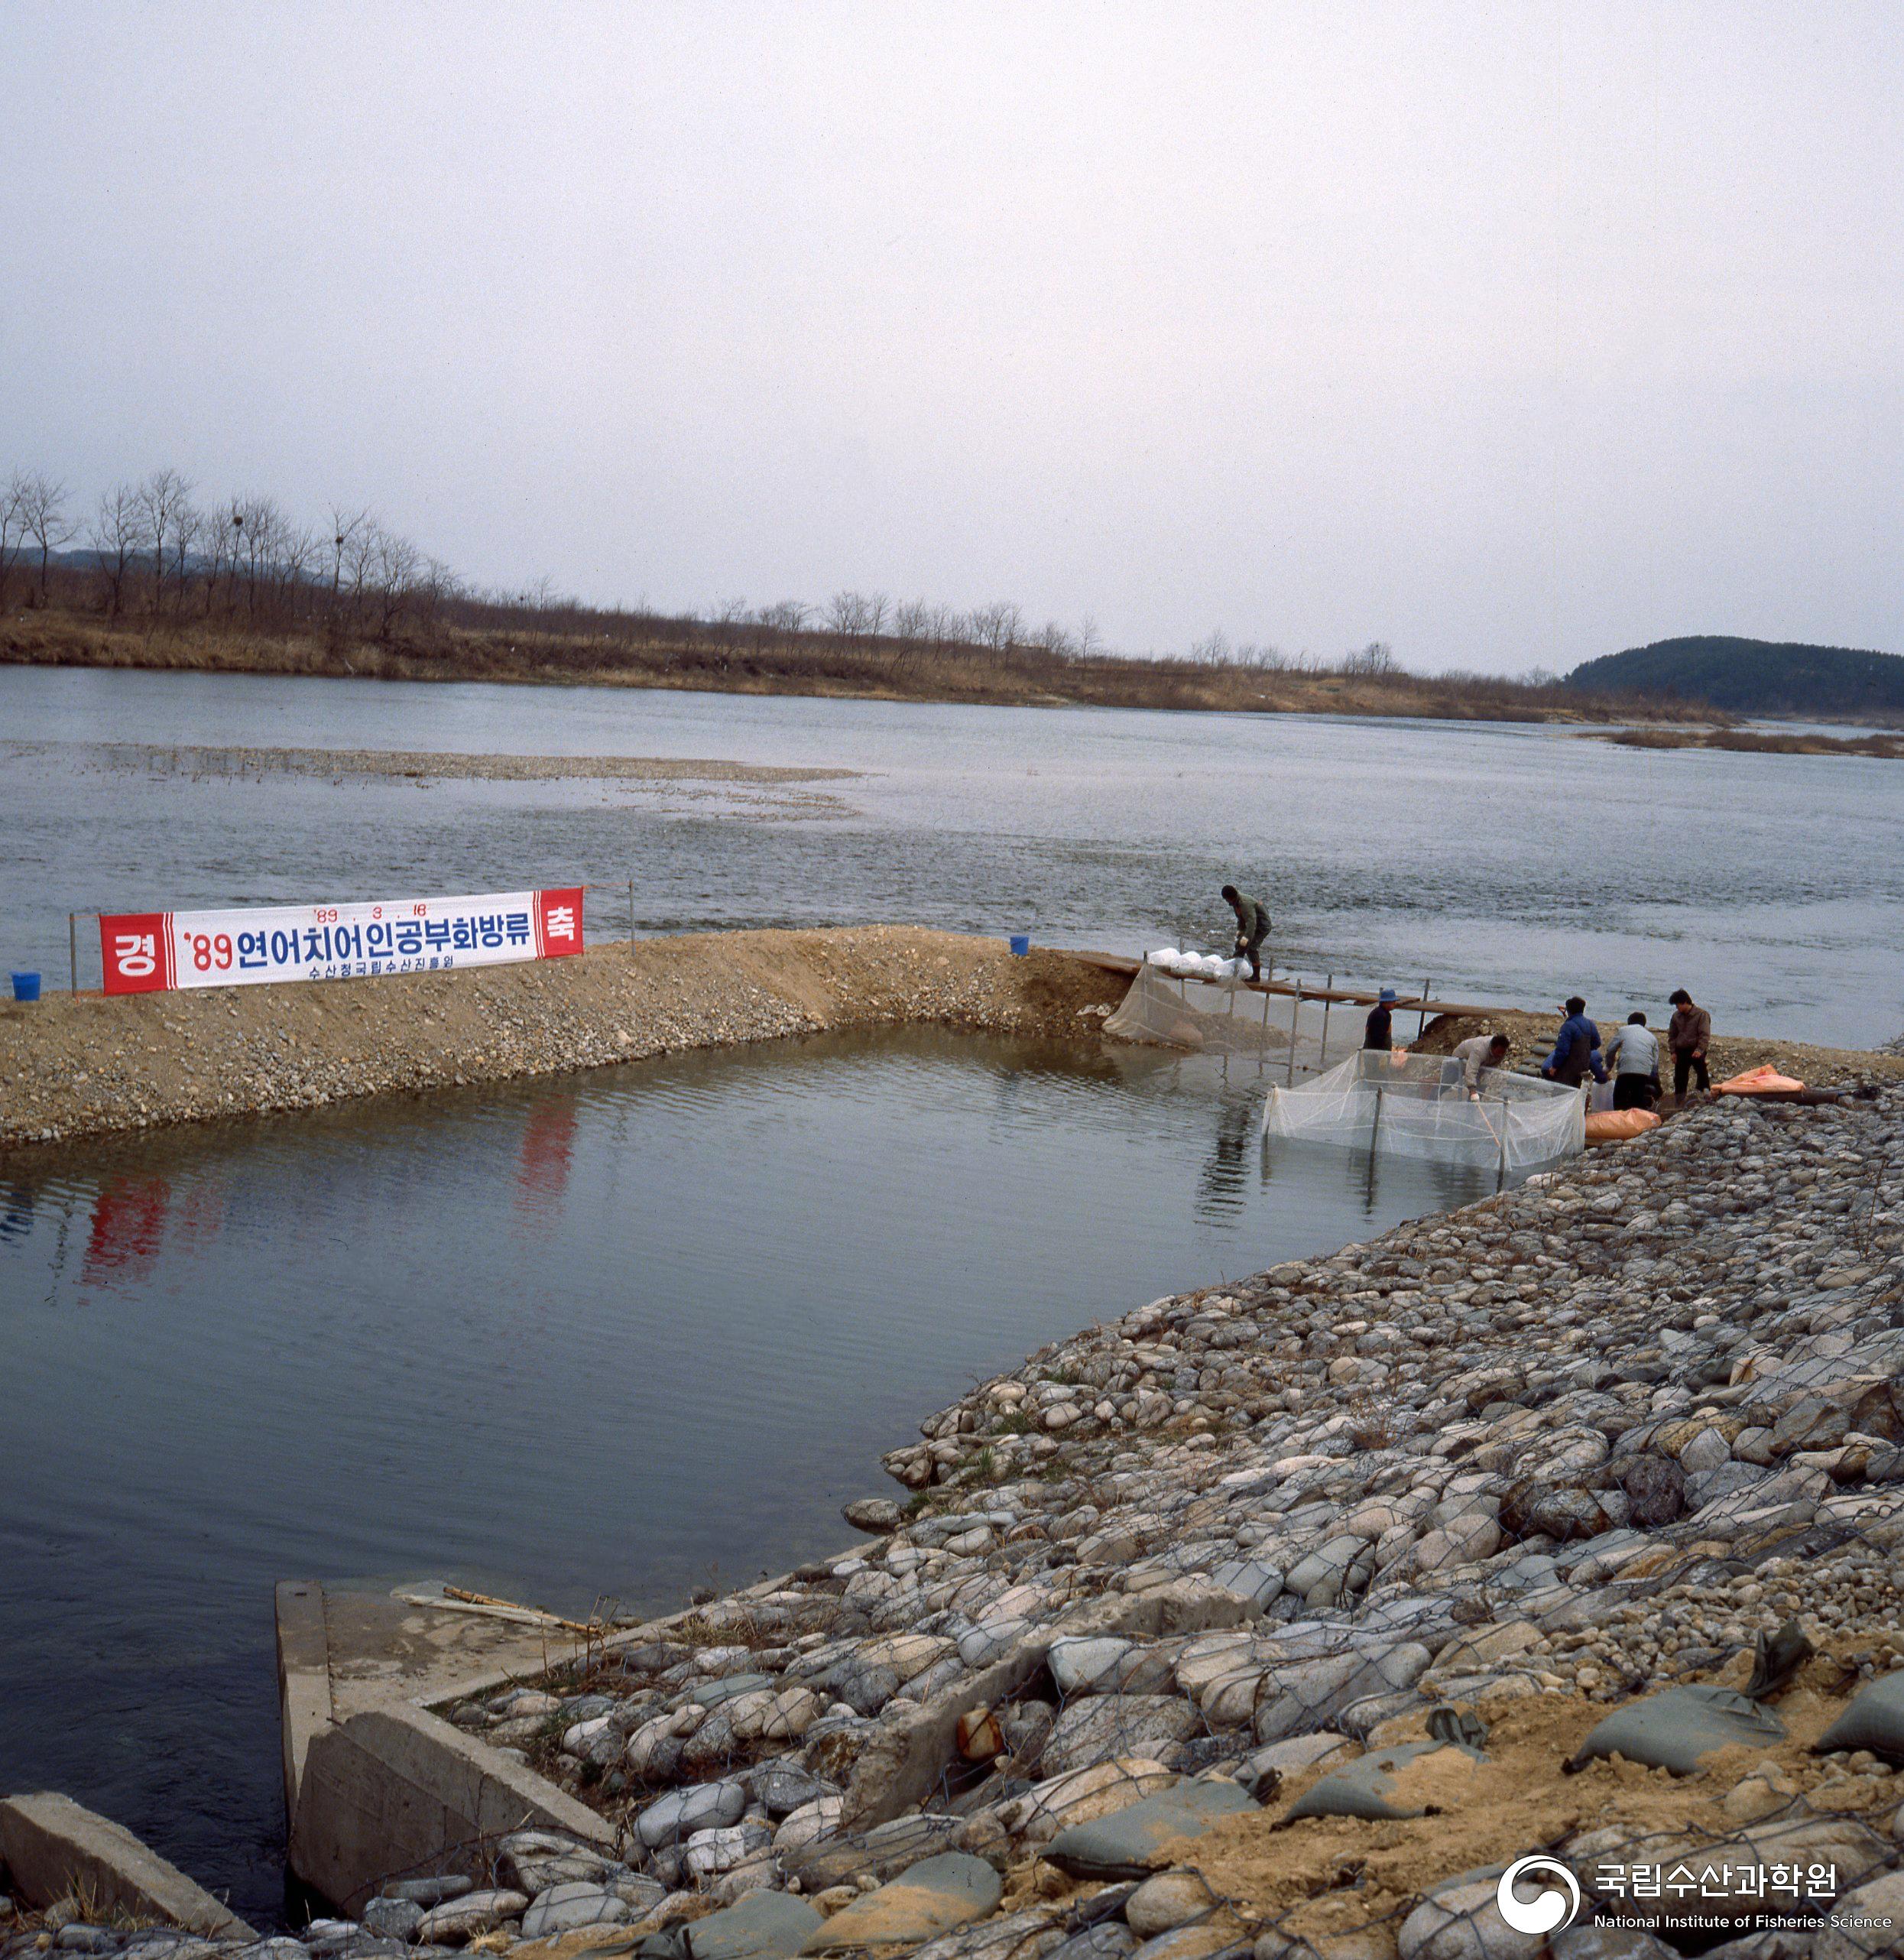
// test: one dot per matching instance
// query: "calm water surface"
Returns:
(1514, 864)
(616, 1333)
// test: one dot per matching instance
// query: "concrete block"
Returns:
(53, 1846)
(396, 1790)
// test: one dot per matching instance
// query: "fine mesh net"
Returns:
(1418, 1105)
(1218, 1016)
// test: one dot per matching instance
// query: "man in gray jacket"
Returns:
(1633, 1054)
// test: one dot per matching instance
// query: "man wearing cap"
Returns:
(1252, 928)
(1380, 1032)
(1576, 1050)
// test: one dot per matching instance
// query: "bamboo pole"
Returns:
(1421, 1019)
(1328, 989)
(1296, 1003)
(73, 952)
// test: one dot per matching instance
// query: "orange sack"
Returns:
(1618, 1126)
(1765, 1080)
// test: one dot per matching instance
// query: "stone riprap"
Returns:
(1528, 1462)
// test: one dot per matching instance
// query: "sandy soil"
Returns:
(75, 1065)
(430, 765)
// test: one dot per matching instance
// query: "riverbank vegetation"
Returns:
(160, 581)
(1758, 741)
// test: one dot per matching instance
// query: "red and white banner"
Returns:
(146, 953)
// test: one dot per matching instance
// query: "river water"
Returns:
(650, 1326)
(620, 1333)
(1508, 863)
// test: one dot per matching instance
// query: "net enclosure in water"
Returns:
(1419, 1105)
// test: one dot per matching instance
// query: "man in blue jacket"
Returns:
(1576, 1050)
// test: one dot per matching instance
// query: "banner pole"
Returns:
(631, 917)
(1329, 987)
(1295, 1002)
(72, 951)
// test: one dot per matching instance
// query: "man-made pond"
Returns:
(617, 1333)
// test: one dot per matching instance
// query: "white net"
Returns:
(1214, 1016)
(1419, 1105)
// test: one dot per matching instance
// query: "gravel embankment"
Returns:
(80, 1065)
(1535, 1461)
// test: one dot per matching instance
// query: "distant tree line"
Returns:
(153, 553)
(149, 551)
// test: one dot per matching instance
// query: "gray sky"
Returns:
(1510, 334)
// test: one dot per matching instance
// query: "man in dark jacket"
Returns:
(1378, 1031)
(1576, 1048)
(1252, 928)
(1687, 1034)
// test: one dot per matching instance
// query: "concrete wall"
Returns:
(397, 1792)
(52, 1847)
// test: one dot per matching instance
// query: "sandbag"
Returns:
(1380, 1785)
(1765, 1081)
(1675, 1729)
(1130, 1842)
(1619, 1126)
(1874, 1721)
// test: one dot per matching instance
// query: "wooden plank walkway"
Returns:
(1118, 962)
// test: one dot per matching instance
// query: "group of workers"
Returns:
(1630, 1060)
(1633, 1053)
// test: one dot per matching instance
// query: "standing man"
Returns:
(1687, 1034)
(1634, 1053)
(1252, 928)
(1379, 1031)
(1577, 1048)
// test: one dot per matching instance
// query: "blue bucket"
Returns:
(26, 986)
(1021, 943)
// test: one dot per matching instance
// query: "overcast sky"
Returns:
(1509, 334)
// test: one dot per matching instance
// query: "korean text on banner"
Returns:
(144, 953)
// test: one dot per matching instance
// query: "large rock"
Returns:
(563, 1908)
(930, 1899)
(1463, 1923)
(1168, 1900)
(1097, 1726)
(764, 1925)
(681, 1812)
(1311, 1694)
(1867, 1923)
(1655, 1488)
(461, 1920)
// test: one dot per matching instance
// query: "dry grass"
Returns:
(626, 651)
(1746, 740)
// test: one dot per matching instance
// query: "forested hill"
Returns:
(1754, 676)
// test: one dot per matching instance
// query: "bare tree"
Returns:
(997, 626)
(788, 615)
(115, 539)
(161, 502)
(1090, 641)
(12, 530)
(1375, 661)
(40, 509)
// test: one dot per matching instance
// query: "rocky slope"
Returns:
(1278, 1618)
